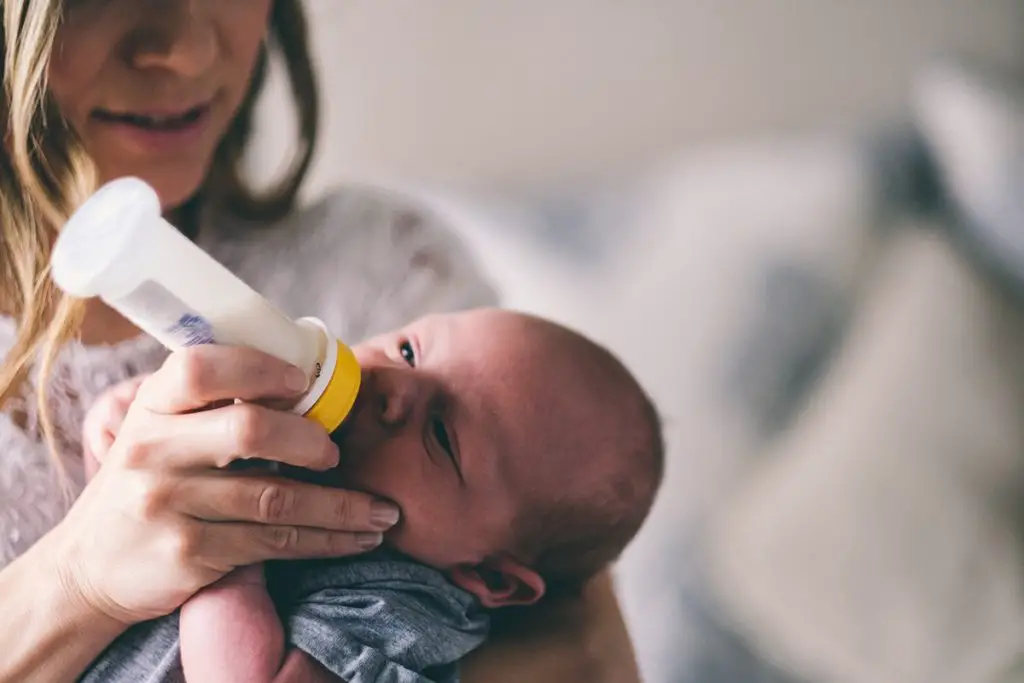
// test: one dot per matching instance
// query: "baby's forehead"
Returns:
(544, 396)
(519, 359)
(530, 359)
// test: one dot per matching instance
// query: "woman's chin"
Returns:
(174, 185)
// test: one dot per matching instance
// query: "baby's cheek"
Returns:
(428, 535)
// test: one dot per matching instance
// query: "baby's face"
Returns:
(440, 429)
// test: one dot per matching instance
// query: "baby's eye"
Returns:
(441, 434)
(408, 355)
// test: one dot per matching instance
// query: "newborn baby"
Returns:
(523, 458)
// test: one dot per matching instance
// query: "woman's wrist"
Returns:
(49, 631)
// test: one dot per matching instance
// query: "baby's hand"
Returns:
(103, 422)
(230, 631)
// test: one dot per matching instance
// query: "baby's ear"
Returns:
(500, 582)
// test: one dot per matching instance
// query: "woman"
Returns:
(164, 90)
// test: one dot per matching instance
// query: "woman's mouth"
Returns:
(157, 131)
(166, 122)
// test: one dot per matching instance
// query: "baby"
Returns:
(523, 457)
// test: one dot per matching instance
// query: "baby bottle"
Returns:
(118, 247)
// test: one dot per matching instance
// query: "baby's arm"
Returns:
(230, 631)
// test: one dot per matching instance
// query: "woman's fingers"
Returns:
(172, 518)
(216, 438)
(239, 544)
(282, 502)
(194, 378)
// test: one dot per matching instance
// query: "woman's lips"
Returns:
(157, 132)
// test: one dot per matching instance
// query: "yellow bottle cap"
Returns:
(338, 397)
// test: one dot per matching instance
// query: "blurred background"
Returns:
(802, 224)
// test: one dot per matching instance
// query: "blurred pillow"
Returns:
(874, 544)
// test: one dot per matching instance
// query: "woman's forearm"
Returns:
(48, 634)
(582, 640)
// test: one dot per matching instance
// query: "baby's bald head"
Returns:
(596, 460)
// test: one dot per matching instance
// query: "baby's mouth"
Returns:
(349, 428)
(156, 123)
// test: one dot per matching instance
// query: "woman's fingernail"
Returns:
(369, 541)
(333, 456)
(295, 380)
(383, 516)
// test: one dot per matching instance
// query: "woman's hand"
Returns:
(162, 519)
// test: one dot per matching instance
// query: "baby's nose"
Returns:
(385, 405)
(396, 397)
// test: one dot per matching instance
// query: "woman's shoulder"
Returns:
(363, 258)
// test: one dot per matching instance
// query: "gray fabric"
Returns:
(377, 619)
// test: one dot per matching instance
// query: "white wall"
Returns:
(476, 92)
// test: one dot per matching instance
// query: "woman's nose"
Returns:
(178, 37)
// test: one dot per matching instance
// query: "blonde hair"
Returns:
(45, 173)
